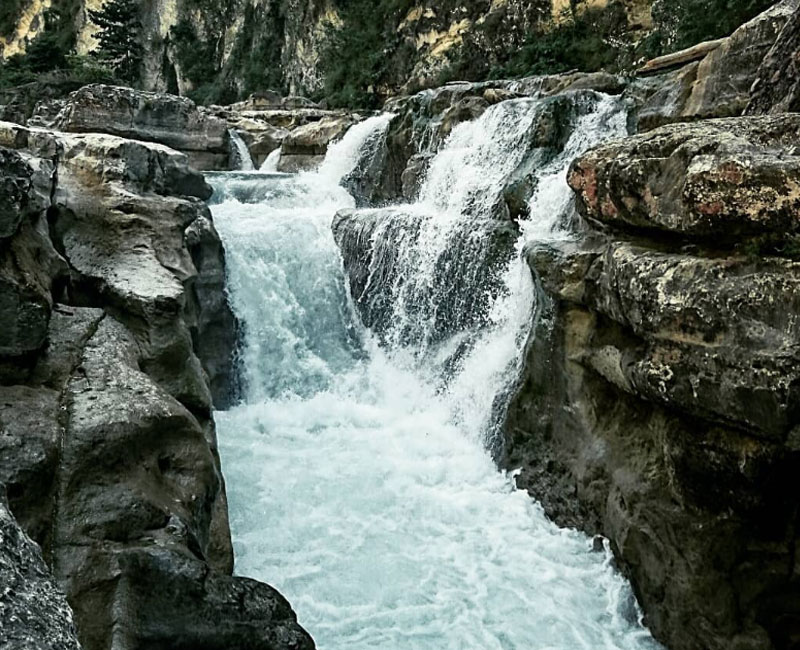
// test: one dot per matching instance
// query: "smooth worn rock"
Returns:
(721, 179)
(217, 329)
(28, 261)
(664, 103)
(34, 614)
(152, 117)
(305, 147)
(118, 335)
(30, 437)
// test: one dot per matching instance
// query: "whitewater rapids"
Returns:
(359, 486)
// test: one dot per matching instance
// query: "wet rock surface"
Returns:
(34, 614)
(658, 403)
(304, 148)
(423, 122)
(124, 343)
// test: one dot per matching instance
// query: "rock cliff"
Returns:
(34, 614)
(224, 51)
(117, 341)
(658, 407)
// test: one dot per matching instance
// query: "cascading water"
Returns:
(270, 164)
(240, 154)
(358, 477)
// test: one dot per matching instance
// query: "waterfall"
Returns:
(271, 162)
(358, 474)
(240, 154)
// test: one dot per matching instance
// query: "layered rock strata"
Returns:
(175, 122)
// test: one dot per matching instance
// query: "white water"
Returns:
(357, 486)
(240, 153)
(270, 164)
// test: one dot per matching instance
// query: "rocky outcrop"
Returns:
(373, 243)
(121, 342)
(776, 89)
(719, 84)
(261, 137)
(721, 179)
(305, 147)
(658, 404)
(424, 121)
(151, 117)
(34, 614)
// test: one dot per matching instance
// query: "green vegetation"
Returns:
(366, 58)
(356, 61)
(9, 13)
(119, 47)
(683, 23)
(49, 57)
(591, 39)
(579, 41)
(772, 245)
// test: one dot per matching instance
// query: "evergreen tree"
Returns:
(119, 34)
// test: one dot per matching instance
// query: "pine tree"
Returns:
(119, 34)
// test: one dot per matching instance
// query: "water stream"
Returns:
(358, 468)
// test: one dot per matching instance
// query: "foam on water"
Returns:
(357, 486)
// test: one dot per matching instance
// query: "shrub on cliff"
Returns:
(355, 57)
(9, 14)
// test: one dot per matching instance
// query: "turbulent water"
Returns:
(359, 479)
(240, 154)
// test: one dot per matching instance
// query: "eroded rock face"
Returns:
(776, 88)
(719, 85)
(107, 442)
(152, 117)
(658, 404)
(721, 179)
(34, 614)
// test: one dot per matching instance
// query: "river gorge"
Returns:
(360, 476)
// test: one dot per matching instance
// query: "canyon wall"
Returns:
(658, 406)
(117, 343)
(226, 50)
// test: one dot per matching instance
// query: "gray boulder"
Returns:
(151, 117)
